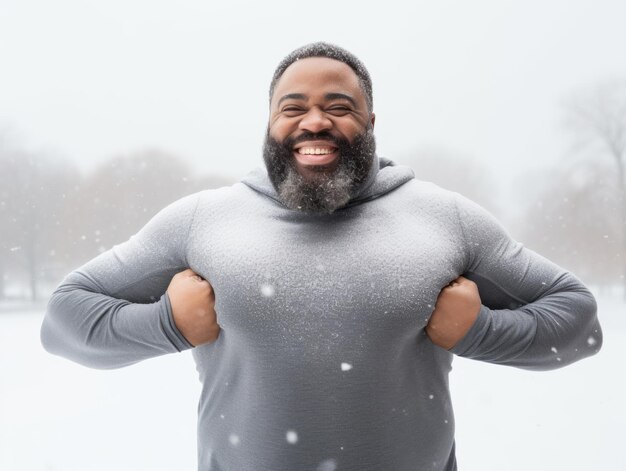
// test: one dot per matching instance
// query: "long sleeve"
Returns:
(535, 315)
(113, 311)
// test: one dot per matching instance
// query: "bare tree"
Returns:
(120, 196)
(570, 219)
(32, 197)
(53, 218)
(597, 117)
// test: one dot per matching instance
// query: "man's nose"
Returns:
(315, 120)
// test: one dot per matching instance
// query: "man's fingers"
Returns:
(187, 276)
(464, 281)
(461, 280)
(185, 273)
(202, 282)
(189, 273)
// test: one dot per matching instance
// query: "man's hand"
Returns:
(456, 311)
(193, 307)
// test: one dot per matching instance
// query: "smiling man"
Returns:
(325, 296)
(320, 144)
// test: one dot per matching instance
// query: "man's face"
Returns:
(320, 141)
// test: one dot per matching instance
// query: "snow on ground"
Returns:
(569, 419)
(58, 416)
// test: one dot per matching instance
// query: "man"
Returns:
(324, 297)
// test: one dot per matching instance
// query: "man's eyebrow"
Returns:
(341, 96)
(328, 96)
(292, 96)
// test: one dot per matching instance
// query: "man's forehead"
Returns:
(317, 74)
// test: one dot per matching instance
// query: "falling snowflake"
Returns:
(591, 341)
(554, 350)
(267, 290)
(346, 366)
(327, 465)
(292, 436)
(233, 439)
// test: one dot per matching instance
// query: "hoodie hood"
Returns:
(385, 176)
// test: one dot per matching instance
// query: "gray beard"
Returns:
(327, 191)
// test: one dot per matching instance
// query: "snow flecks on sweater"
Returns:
(323, 319)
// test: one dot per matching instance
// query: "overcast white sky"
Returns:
(85, 80)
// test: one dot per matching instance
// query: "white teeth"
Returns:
(315, 150)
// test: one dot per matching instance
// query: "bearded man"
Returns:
(325, 297)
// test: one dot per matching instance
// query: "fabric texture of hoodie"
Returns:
(322, 362)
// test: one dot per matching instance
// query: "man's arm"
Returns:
(534, 314)
(115, 311)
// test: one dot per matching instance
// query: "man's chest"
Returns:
(286, 273)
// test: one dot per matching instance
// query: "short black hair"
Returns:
(331, 51)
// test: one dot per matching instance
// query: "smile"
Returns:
(316, 155)
(316, 150)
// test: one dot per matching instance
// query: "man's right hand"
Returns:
(193, 307)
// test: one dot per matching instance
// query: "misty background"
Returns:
(111, 110)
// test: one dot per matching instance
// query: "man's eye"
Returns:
(292, 110)
(338, 110)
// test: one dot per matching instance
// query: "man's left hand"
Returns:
(456, 310)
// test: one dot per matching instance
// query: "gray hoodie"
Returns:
(322, 363)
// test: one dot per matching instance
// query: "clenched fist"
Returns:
(456, 310)
(193, 307)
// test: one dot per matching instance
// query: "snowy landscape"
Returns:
(109, 111)
(59, 416)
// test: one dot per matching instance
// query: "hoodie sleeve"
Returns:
(114, 311)
(534, 314)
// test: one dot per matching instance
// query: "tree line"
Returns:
(573, 212)
(53, 217)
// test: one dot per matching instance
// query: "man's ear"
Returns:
(372, 119)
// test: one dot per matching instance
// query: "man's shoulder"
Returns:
(224, 194)
(186, 206)
(429, 196)
(212, 200)
(213, 195)
(426, 190)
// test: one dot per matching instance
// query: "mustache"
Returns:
(309, 136)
